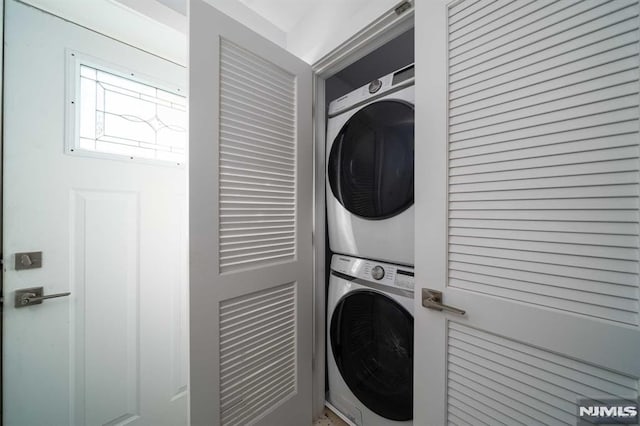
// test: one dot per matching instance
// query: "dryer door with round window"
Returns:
(372, 344)
(370, 166)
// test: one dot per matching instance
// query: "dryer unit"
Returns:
(370, 341)
(370, 162)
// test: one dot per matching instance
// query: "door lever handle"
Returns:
(432, 299)
(34, 296)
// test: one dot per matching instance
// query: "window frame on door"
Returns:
(74, 60)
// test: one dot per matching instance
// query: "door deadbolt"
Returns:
(28, 260)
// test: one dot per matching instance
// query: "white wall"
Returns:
(330, 23)
(149, 24)
(118, 21)
(173, 13)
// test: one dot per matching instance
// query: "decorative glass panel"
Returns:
(128, 118)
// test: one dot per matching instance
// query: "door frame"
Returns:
(385, 28)
(2, 259)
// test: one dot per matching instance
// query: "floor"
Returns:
(329, 418)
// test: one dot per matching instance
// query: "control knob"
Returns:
(374, 86)
(377, 272)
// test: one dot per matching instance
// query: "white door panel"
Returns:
(527, 196)
(250, 226)
(112, 232)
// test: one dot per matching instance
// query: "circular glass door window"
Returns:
(371, 162)
(372, 343)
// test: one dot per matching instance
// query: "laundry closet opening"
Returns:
(369, 228)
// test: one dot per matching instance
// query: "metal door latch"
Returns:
(432, 299)
(34, 296)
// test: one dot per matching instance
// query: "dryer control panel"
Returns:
(373, 271)
(390, 82)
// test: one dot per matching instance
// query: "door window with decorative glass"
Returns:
(122, 116)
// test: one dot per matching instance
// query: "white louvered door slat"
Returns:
(527, 190)
(250, 227)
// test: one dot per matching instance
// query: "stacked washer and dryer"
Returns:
(370, 214)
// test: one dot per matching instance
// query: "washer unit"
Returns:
(370, 341)
(370, 162)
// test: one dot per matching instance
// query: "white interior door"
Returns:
(250, 226)
(112, 231)
(527, 209)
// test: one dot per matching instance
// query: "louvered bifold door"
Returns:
(530, 163)
(250, 226)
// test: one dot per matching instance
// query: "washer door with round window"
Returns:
(370, 179)
(372, 344)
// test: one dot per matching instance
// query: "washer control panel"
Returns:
(370, 270)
